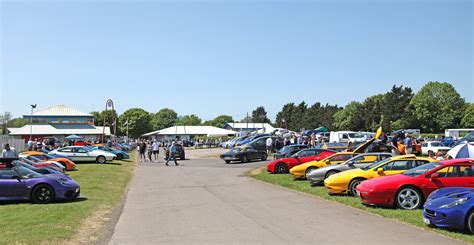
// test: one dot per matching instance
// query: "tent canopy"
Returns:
(74, 137)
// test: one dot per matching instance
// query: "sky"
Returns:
(227, 57)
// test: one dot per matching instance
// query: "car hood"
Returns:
(450, 196)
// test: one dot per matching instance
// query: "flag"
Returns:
(378, 133)
(125, 123)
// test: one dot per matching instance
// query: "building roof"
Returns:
(192, 130)
(59, 129)
(59, 110)
(249, 125)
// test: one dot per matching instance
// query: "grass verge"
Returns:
(413, 217)
(102, 185)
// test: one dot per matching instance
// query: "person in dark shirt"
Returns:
(394, 144)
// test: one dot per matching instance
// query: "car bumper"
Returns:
(298, 174)
(336, 188)
(230, 158)
(271, 168)
(315, 179)
(454, 218)
(376, 198)
(68, 193)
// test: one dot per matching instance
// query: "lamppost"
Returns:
(33, 106)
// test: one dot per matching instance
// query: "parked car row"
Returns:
(444, 189)
(40, 176)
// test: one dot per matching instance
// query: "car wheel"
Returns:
(408, 198)
(281, 168)
(264, 156)
(352, 186)
(329, 173)
(309, 170)
(119, 156)
(244, 159)
(227, 161)
(101, 159)
(470, 221)
(183, 158)
(42, 194)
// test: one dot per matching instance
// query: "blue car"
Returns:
(451, 207)
(120, 154)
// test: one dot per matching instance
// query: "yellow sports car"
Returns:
(300, 171)
(347, 181)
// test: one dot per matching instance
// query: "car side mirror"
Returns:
(380, 170)
(434, 176)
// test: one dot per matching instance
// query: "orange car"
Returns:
(70, 165)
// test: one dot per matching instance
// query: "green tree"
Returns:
(394, 107)
(219, 121)
(99, 117)
(4, 118)
(138, 122)
(438, 106)
(468, 118)
(350, 117)
(246, 119)
(164, 118)
(188, 120)
(372, 112)
(259, 115)
(17, 122)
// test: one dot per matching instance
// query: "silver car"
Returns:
(317, 176)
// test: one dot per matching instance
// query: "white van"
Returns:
(346, 137)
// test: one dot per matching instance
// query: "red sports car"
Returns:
(282, 165)
(410, 189)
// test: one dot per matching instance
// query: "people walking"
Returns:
(171, 154)
(149, 151)
(156, 150)
(141, 150)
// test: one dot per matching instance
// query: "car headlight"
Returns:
(458, 202)
(432, 194)
(62, 181)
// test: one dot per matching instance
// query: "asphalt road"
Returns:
(206, 201)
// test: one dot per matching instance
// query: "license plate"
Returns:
(227, 158)
(427, 221)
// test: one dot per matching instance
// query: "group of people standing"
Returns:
(312, 141)
(149, 151)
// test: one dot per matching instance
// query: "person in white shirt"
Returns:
(269, 143)
(9, 152)
(156, 150)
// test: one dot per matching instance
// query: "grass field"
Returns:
(414, 217)
(102, 185)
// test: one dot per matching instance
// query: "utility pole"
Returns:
(247, 120)
(33, 106)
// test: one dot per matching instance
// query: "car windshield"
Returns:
(25, 160)
(22, 164)
(436, 144)
(34, 159)
(415, 172)
(376, 164)
(356, 135)
(49, 156)
(27, 173)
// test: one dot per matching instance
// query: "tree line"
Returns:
(435, 107)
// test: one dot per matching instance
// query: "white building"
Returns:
(249, 127)
(58, 122)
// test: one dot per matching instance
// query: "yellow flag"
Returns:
(378, 133)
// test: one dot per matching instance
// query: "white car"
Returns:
(84, 154)
(433, 146)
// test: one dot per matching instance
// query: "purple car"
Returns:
(21, 183)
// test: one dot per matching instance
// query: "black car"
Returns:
(244, 154)
(256, 149)
(179, 152)
(289, 150)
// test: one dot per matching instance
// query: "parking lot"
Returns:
(206, 201)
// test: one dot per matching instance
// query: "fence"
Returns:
(18, 144)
